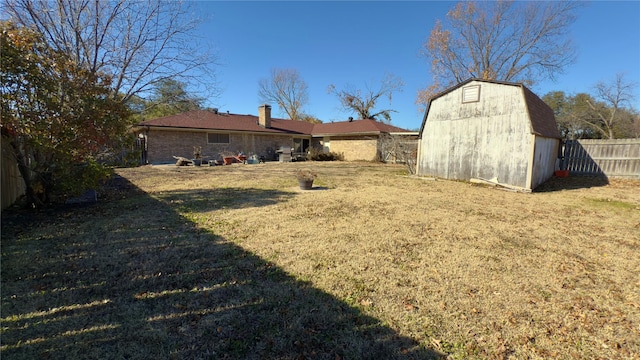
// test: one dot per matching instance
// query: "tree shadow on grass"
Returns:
(201, 200)
(130, 278)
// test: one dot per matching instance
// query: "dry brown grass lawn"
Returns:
(429, 266)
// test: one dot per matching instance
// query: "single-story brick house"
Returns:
(218, 132)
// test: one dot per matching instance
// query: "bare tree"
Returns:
(310, 119)
(287, 89)
(635, 124)
(570, 112)
(501, 40)
(137, 43)
(398, 150)
(363, 102)
(614, 97)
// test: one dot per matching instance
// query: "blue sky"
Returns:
(357, 43)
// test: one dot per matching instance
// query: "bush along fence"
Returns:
(13, 187)
(612, 158)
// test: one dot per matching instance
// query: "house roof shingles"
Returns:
(208, 120)
(355, 127)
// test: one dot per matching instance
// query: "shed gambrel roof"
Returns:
(542, 120)
(209, 120)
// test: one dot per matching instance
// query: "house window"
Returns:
(213, 138)
(300, 145)
(471, 94)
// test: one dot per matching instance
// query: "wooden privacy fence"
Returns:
(612, 158)
(12, 184)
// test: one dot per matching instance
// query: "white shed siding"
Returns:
(545, 155)
(486, 139)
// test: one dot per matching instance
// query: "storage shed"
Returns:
(489, 130)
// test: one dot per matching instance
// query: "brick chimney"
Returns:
(264, 115)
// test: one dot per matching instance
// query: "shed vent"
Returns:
(471, 94)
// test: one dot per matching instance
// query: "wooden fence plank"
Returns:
(12, 185)
(613, 158)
